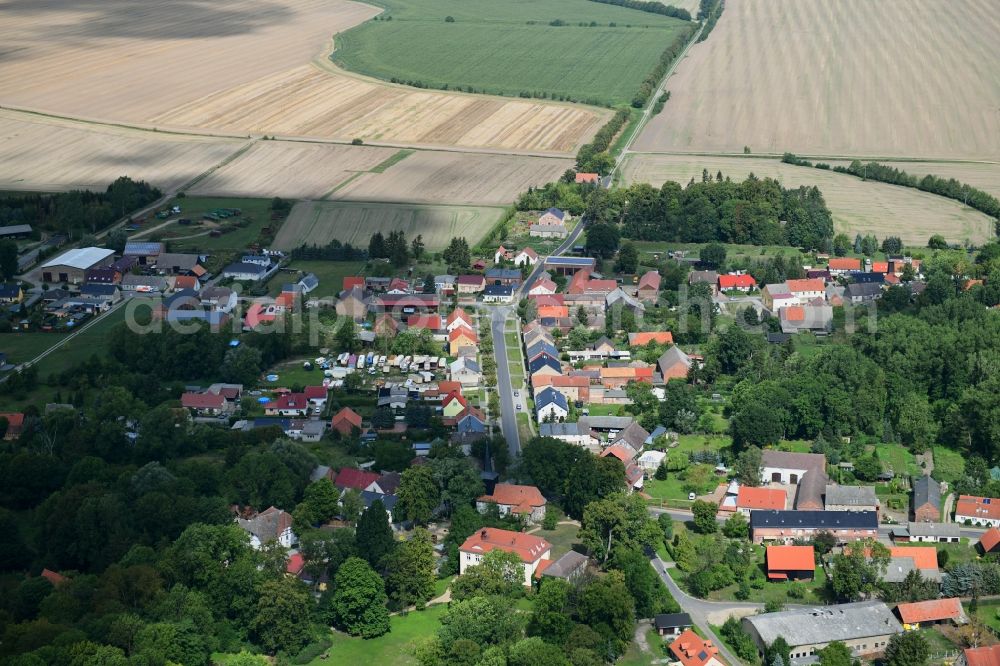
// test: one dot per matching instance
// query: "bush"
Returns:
(449, 19)
(311, 652)
(550, 521)
(357, 141)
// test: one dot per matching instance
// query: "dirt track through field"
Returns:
(857, 206)
(906, 78)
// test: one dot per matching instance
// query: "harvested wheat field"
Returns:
(906, 78)
(49, 155)
(310, 101)
(455, 178)
(857, 206)
(247, 67)
(293, 170)
(983, 175)
(319, 222)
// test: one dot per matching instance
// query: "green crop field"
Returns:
(510, 48)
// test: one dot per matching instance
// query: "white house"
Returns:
(551, 404)
(526, 257)
(531, 549)
(269, 525)
(498, 293)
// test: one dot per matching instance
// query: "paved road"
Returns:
(508, 415)
(704, 612)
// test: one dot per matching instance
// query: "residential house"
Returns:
(711, 278)
(930, 533)
(690, 649)
(806, 290)
(71, 266)
(470, 284)
(399, 287)
(797, 318)
(674, 364)
(15, 424)
(457, 318)
(502, 254)
(270, 525)
(108, 292)
(349, 478)
(445, 284)
(574, 433)
(316, 395)
(552, 216)
(346, 421)
(904, 559)
(524, 501)
(526, 257)
(649, 286)
(503, 276)
(865, 627)
(353, 281)
(671, 624)
(403, 305)
(307, 283)
(461, 336)
(369, 497)
(865, 292)
(980, 656)
(498, 293)
(245, 271)
(218, 299)
(588, 178)
(989, 542)
(618, 298)
(545, 287)
(289, 404)
(777, 296)
(787, 526)
(11, 293)
(543, 365)
(418, 322)
(644, 338)
(750, 499)
(788, 467)
(204, 403)
(851, 498)
(466, 371)
(551, 405)
(531, 549)
(790, 562)
(926, 499)
(453, 404)
(633, 436)
(470, 421)
(541, 347)
(984, 511)
(923, 614)
(743, 282)
(172, 263)
(843, 265)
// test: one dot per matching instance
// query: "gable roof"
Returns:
(644, 338)
(526, 546)
(671, 359)
(749, 497)
(831, 520)
(735, 281)
(80, 258)
(983, 656)
(650, 280)
(618, 451)
(791, 558)
(522, 499)
(359, 479)
(926, 491)
(850, 495)
(193, 400)
(844, 264)
(990, 539)
(841, 622)
(977, 507)
(791, 460)
(924, 557)
(930, 611)
(807, 284)
(543, 361)
(548, 396)
(268, 524)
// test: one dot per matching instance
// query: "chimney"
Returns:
(482, 535)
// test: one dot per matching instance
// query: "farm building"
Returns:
(790, 562)
(15, 231)
(929, 533)
(553, 216)
(72, 265)
(145, 252)
(671, 624)
(927, 613)
(786, 526)
(851, 498)
(926, 499)
(865, 627)
(244, 270)
(990, 541)
(562, 265)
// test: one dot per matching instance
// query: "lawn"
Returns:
(331, 276)
(21, 347)
(948, 465)
(562, 539)
(634, 656)
(594, 53)
(245, 229)
(394, 647)
(898, 458)
(989, 613)
(91, 341)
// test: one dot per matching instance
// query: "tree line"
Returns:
(652, 80)
(950, 188)
(332, 251)
(77, 212)
(709, 12)
(593, 157)
(651, 7)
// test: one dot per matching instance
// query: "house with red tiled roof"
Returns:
(357, 479)
(749, 498)
(806, 289)
(352, 281)
(644, 338)
(186, 282)
(980, 656)
(203, 404)
(316, 395)
(974, 510)
(417, 322)
(989, 542)
(790, 563)
(649, 286)
(15, 424)
(841, 265)
(453, 405)
(690, 649)
(502, 254)
(544, 287)
(531, 549)
(524, 501)
(526, 257)
(461, 336)
(345, 421)
(296, 563)
(742, 282)
(458, 317)
(590, 178)
(880, 267)
(928, 613)
(290, 404)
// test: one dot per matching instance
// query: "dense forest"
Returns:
(77, 212)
